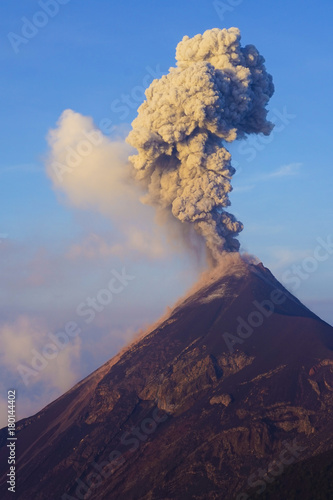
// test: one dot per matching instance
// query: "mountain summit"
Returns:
(229, 391)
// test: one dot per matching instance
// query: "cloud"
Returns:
(282, 257)
(289, 170)
(243, 189)
(29, 168)
(216, 94)
(88, 168)
(267, 229)
(46, 279)
(42, 288)
(136, 243)
(20, 340)
(90, 171)
(285, 171)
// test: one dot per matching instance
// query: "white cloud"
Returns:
(283, 257)
(92, 172)
(285, 171)
(243, 189)
(29, 168)
(289, 170)
(20, 339)
(267, 229)
(136, 243)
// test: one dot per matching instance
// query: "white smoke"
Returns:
(92, 171)
(217, 92)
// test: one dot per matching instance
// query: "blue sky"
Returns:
(93, 57)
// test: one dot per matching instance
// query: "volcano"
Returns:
(229, 397)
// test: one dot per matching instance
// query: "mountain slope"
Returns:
(194, 408)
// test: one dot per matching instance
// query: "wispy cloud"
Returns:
(285, 171)
(289, 170)
(29, 168)
(282, 257)
(243, 189)
(20, 340)
(267, 229)
(137, 243)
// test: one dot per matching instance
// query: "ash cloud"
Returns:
(216, 94)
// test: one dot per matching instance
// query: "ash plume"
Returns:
(217, 93)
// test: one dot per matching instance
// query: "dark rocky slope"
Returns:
(182, 415)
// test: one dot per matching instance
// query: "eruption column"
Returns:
(217, 93)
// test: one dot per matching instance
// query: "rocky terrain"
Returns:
(230, 397)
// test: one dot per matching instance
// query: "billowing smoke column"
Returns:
(217, 92)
